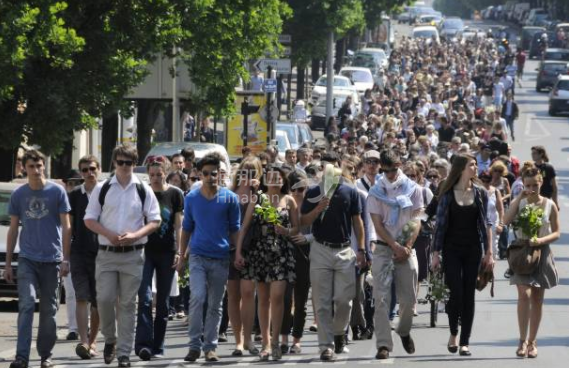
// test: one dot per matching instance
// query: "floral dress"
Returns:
(545, 274)
(270, 256)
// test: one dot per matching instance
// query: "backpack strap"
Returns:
(107, 185)
(365, 184)
(141, 193)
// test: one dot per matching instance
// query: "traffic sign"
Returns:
(285, 38)
(270, 85)
(281, 66)
(287, 50)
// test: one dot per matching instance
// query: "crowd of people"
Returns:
(423, 178)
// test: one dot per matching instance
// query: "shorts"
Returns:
(83, 277)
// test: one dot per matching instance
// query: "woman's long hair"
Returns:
(459, 163)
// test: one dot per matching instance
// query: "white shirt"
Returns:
(123, 210)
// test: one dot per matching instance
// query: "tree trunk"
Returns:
(9, 158)
(340, 51)
(110, 138)
(315, 69)
(300, 75)
(62, 163)
(144, 123)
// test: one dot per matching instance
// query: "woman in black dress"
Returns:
(464, 237)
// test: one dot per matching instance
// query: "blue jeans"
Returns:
(37, 278)
(208, 277)
(148, 334)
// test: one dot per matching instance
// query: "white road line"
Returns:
(8, 354)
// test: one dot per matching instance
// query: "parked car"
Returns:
(520, 9)
(200, 149)
(556, 54)
(360, 77)
(527, 35)
(535, 47)
(379, 56)
(548, 72)
(340, 82)
(450, 27)
(380, 45)
(404, 17)
(429, 20)
(298, 134)
(282, 143)
(318, 115)
(559, 96)
(427, 32)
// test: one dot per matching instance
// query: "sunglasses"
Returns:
(124, 162)
(298, 190)
(208, 173)
(372, 162)
(87, 169)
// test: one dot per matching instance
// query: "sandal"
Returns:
(532, 349)
(82, 351)
(522, 349)
(276, 351)
(264, 355)
(237, 353)
(251, 348)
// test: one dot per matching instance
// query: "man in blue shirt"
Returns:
(42, 207)
(211, 223)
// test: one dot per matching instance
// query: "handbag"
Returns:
(485, 277)
(523, 259)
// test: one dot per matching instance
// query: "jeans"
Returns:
(151, 334)
(37, 278)
(510, 123)
(461, 264)
(208, 277)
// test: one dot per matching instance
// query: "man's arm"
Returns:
(66, 239)
(96, 227)
(307, 219)
(11, 240)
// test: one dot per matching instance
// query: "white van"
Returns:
(426, 32)
(200, 149)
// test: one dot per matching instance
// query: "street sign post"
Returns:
(281, 66)
(270, 85)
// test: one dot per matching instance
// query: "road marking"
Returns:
(7, 354)
(528, 129)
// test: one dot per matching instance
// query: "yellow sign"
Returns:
(256, 127)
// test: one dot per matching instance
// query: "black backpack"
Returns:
(107, 186)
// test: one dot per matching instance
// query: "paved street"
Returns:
(494, 338)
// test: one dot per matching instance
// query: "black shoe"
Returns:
(258, 337)
(508, 273)
(124, 361)
(82, 351)
(145, 354)
(284, 348)
(19, 363)
(356, 333)
(464, 351)
(171, 317)
(339, 343)
(109, 353)
(452, 349)
(408, 344)
(328, 356)
(222, 337)
(192, 356)
(72, 336)
(368, 333)
(46, 363)
(382, 353)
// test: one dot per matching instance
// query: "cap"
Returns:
(371, 154)
(73, 175)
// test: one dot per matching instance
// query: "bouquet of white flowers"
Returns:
(407, 231)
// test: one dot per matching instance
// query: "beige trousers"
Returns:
(118, 277)
(333, 279)
(405, 276)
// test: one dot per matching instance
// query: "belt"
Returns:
(335, 245)
(121, 249)
(379, 242)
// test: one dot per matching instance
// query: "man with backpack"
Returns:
(123, 212)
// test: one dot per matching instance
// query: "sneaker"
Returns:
(46, 363)
(328, 356)
(145, 354)
(222, 337)
(171, 317)
(180, 315)
(339, 344)
(211, 356)
(157, 356)
(408, 344)
(382, 353)
(19, 363)
(295, 349)
(109, 353)
(313, 328)
(124, 361)
(72, 336)
(192, 356)
(83, 351)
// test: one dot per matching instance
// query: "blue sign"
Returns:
(270, 86)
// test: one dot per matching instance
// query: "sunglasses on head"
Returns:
(124, 162)
(152, 159)
(208, 173)
(87, 169)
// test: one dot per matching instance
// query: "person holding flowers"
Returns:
(464, 237)
(269, 259)
(536, 218)
(395, 204)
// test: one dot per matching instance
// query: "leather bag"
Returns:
(523, 259)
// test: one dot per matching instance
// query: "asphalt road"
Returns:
(494, 337)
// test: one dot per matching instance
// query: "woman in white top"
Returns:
(531, 288)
